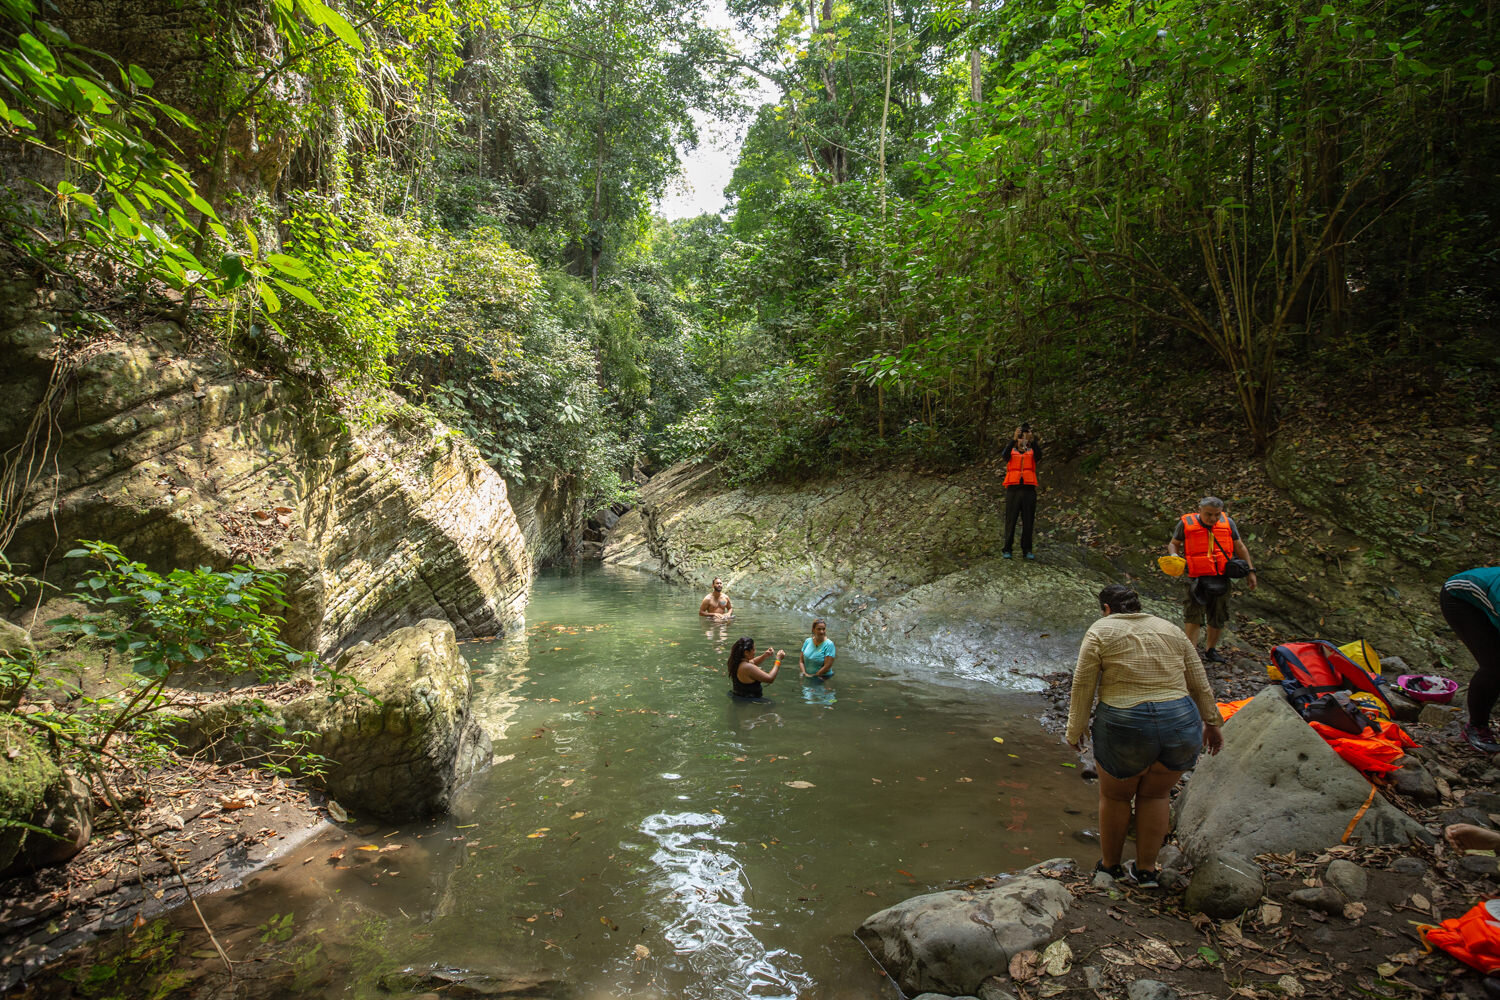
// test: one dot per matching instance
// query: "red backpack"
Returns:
(1318, 666)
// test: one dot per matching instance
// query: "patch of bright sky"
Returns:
(706, 169)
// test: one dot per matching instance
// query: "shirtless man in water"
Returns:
(716, 605)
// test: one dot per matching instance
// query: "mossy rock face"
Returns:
(36, 795)
(404, 753)
(397, 755)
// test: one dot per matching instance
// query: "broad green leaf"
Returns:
(273, 304)
(39, 55)
(299, 293)
(325, 16)
(289, 266)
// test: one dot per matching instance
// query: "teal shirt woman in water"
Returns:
(816, 659)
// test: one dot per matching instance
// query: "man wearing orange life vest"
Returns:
(1020, 456)
(1207, 540)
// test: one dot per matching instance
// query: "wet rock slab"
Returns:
(950, 942)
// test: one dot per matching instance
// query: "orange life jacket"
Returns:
(1374, 751)
(1020, 468)
(1204, 557)
(1473, 939)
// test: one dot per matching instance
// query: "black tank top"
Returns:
(742, 690)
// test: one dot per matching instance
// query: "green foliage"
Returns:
(125, 200)
(1265, 178)
(158, 626)
(220, 621)
(769, 424)
(536, 410)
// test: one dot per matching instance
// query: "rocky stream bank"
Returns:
(395, 541)
(1290, 874)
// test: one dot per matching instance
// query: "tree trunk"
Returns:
(596, 221)
(976, 60)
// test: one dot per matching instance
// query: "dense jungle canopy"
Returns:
(952, 214)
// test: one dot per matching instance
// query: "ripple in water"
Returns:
(711, 924)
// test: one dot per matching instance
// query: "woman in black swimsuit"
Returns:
(745, 674)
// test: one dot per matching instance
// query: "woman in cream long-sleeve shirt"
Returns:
(1155, 712)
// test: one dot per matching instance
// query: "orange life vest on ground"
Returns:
(1204, 557)
(1473, 939)
(1020, 468)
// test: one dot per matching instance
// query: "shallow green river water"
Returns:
(643, 834)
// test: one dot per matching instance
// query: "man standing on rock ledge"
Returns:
(715, 605)
(1206, 540)
(1021, 454)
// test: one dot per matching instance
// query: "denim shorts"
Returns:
(1129, 740)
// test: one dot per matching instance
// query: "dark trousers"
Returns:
(1020, 501)
(1483, 639)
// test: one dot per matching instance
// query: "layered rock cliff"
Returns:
(166, 449)
(912, 561)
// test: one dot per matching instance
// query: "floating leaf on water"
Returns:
(609, 923)
(540, 832)
(642, 953)
(368, 847)
(578, 815)
(337, 855)
(799, 784)
(999, 739)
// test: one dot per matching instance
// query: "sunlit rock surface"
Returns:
(913, 560)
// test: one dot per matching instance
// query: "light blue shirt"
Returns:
(813, 657)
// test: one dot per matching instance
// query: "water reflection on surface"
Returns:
(707, 919)
(643, 834)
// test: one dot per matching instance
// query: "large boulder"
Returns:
(1278, 787)
(399, 753)
(165, 449)
(44, 811)
(406, 755)
(949, 942)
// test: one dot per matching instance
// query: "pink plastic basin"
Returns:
(1427, 687)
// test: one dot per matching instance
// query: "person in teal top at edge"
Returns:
(816, 659)
(1470, 601)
